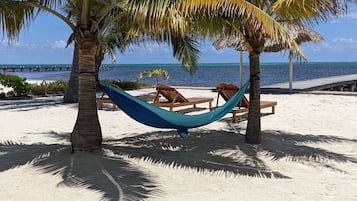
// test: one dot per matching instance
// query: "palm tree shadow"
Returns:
(204, 150)
(103, 172)
(32, 104)
(225, 151)
(211, 151)
(301, 148)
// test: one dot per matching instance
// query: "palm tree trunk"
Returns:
(98, 63)
(253, 133)
(71, 94)
(87, 134)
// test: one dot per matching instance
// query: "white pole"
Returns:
(241, 68)
(291, 71)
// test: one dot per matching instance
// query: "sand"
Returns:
(308, 152)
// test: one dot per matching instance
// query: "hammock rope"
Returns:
(154, 116)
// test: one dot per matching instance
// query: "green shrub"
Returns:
(39, 90)
(18, 84)
(57, 87)
(45, 88)
(126, 85)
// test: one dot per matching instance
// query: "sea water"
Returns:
(208, 75)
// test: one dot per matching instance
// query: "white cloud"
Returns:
(146, 48)
(315, 49)
(35, 52)
(59, 44)
(335, 21)
(38, 46)
(325, 45)
(335, 47)
(352, 11)
(352, 15)
(344, 40)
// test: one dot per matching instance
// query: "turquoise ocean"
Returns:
(209, 74)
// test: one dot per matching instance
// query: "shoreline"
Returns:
(313, 92)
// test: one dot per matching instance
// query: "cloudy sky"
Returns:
(44, 43)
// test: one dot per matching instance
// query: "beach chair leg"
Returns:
(234, 117)
(114, 107)
(100, 105)
(273, 109)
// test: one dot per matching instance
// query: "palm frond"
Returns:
(185, 49)
(14, 15)
(310, 11)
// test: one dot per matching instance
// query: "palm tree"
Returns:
(120, 35)
(114, 38)
(86, 134)
(94, 17)
(71, 93)
(297, 12)
(157, 73)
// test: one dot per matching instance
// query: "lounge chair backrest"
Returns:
(116, 86)
(227, 91)
(171, 94)
(113, 85)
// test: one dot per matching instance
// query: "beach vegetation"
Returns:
(38, 90)
(157, 73)
(126, 85)
(56, 87)
(18, 84)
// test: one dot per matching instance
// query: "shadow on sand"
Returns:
(203, 150)
(32, 103)
(103, 172)
(214, 150)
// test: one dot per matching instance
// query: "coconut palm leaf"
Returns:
(309, 11)
(14, 15)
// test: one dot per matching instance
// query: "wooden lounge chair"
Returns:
(176, 99)
(101, 100)
(228, 90)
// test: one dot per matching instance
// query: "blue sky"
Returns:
(44, 43)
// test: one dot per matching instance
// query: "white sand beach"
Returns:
(308, 152)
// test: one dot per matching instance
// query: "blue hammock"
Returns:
(154, 116)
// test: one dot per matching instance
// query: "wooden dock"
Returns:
(335, 83)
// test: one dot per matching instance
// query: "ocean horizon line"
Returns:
(205, 64)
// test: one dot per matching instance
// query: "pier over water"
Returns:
(334, 83)
(40, 68)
